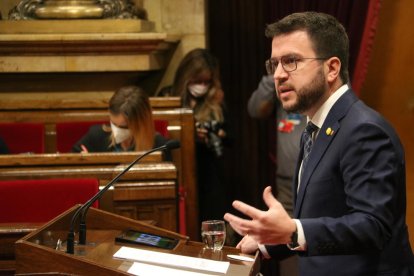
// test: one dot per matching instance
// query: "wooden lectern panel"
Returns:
(37, 252)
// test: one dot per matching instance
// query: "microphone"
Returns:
(70, 243)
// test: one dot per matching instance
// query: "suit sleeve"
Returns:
(371, 166)
(279, 252)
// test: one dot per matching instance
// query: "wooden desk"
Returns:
(37, 254)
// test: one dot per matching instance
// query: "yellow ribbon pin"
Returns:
(329, 131)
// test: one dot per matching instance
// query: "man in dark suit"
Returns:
(349, 186)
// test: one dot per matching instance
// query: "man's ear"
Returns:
(332, 69)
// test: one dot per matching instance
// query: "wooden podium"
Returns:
(38, 252)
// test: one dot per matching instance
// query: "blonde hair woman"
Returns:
(131, 126)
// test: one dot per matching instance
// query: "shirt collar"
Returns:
(319, 118)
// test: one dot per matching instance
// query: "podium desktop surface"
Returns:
(39, 252)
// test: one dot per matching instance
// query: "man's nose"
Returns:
(280, 73)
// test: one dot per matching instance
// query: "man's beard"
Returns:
(308, 96)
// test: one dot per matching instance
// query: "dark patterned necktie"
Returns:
(307, 143)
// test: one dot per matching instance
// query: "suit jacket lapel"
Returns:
(321, 144)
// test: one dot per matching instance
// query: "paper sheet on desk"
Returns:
(142, 269)
(171, 260)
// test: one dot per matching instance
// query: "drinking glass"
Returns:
(213, 234)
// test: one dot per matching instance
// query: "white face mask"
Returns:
(120, 134)
(198, 90)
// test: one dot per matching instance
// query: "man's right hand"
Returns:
(248, 245)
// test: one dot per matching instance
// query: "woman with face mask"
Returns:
(197, 82)
(130, 128)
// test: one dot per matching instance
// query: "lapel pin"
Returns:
(329, 131)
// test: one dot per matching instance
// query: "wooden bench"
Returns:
(51, 110)
(147, 191)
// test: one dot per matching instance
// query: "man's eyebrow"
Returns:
(287, 55)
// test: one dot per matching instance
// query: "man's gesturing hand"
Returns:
(273, 226)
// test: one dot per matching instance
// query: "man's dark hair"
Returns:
(327, 35)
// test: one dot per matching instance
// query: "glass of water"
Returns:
(213, 233)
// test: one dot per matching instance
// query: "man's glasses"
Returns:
(289, 63)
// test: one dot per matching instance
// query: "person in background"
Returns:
(349, 214)
(3, 147)
(197, 82)
(131, 126)
(262, 104)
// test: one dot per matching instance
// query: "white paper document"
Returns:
(142, 269)
(171, 260)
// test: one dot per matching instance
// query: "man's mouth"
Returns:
(284, 89)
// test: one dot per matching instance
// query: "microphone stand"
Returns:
(70, 243)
